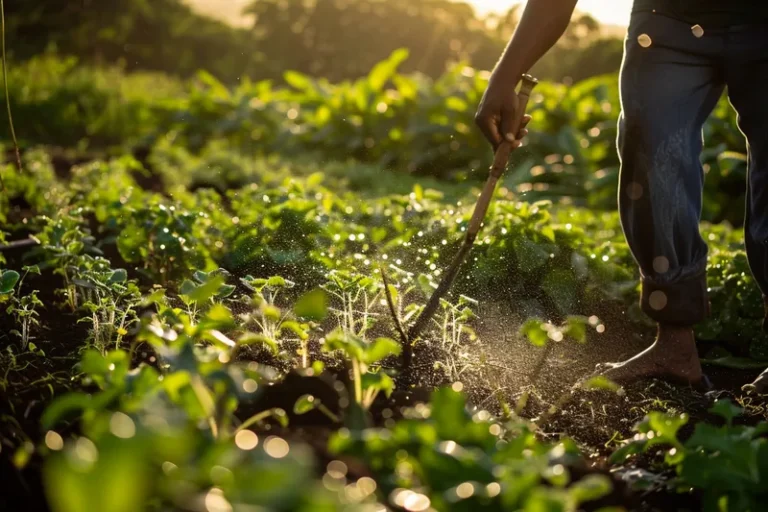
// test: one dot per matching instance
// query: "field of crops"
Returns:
(193, 313)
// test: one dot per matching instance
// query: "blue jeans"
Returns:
(672, 77)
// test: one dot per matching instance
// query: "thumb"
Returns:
(508, 115)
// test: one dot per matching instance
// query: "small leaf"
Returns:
(251, 338)
(305, 404)
(205, 291)
(295, 328)
(75, 247)
(218, 316)
(118, 276)
(63, 406)
(276, 282)
(187, 287)
(271, 312)
(600, 382)
(576, 328)
(312, 306)
(533, 331)
(8, 280)
(726, 410)
(380, 349)
(225, 291)
(380, 381)
(33, 269)
(591, 488)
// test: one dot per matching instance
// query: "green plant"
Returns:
(23, 308)
(447, 458)
(727, 464)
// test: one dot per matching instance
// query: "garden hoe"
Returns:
(500, 161)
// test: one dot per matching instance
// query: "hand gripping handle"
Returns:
(501, 156)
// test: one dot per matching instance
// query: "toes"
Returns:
(604, 367)
(758, 387)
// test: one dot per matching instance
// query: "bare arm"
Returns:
(542, 24)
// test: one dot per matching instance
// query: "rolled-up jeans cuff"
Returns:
(681, 303)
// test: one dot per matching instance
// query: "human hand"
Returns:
(497, 111)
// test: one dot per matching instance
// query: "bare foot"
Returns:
(760, 384)
(672, 357)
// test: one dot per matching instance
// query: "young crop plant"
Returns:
(727, 464)
(356, 297)
(23, 308)
(271, 326)
(168, 433)
(165, 240)
(66, 247)
(111, 299)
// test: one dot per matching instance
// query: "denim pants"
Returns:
(672, 77)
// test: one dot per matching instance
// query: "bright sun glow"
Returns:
(614, 12)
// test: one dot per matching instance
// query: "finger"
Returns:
(490, 129)
(507, 125)
(522, 132)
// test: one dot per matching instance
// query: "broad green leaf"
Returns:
(380, 349)
(118, 276)
(117, 467)
(312, 306)
(218, 316)
(351, 345)
(8, 280)
(251, 338)
(205, 291)
(576, 328)
(271, 312)
(225, 291)
(297, 80)
(591, 488)
(295, 328)
(277, 282)
(75, 247)
(727, 410)
(602, 383)
(380, 381)
(532, 330)
(449, 413)
(384, 70)
(666, 426)
(31, 269)
(62, 407)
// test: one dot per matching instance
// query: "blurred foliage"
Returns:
(337, 39)
(165, 413)
(408, 122)
(155, 35)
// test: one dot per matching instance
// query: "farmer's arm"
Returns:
(542, 24)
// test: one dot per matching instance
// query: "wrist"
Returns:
(508, 72)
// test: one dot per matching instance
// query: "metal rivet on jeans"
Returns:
(644, 40)
(697, 30)
(661, 264)
(658, 300)
(634, 191)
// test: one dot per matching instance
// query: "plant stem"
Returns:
(358, 382)
(258, 417)
(7, 95)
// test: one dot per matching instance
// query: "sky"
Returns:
(613, 12)
(610, 12)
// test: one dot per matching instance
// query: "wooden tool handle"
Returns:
(499, 164)
(501, 156)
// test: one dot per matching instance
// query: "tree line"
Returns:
(335, 39)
